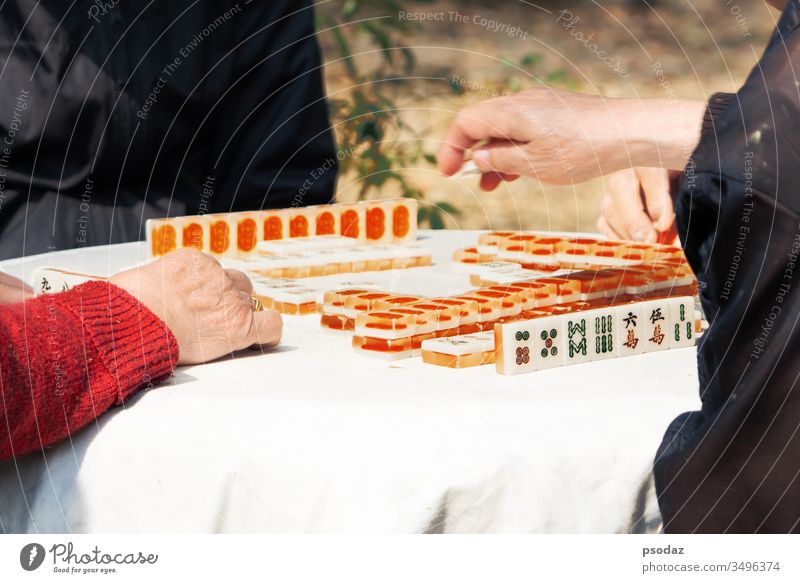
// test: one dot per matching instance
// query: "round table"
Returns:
(311, 437)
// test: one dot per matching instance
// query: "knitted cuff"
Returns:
(136, 347)
(716, 105)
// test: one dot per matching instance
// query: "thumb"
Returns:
(266, 329)
(657, 199)
(504, 157)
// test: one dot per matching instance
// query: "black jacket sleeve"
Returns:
(734, 466)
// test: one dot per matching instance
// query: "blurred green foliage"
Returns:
(367, 120)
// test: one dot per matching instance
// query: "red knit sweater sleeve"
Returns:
(66, 358)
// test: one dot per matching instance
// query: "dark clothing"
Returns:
(734, 466)
(113, 112)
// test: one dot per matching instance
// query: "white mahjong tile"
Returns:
(51, 281)
(656, 329)
(604, 333)
(298, 244)
(162, 236)
(530, 345)
(460, 345)
(681, 311)
(578, 330)
(404, 220)
(629, 321)
(378, 221)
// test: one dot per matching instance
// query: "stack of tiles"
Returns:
(543, 252)
(585, 335)
(329, 255)
(400, 332)
(239, 234)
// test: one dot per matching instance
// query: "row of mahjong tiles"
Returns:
(545, 251)
(239, 233)
(573, 337)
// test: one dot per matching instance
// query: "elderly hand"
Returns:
(637, 205)
(13, 290)
(561, 137)
(207, 308)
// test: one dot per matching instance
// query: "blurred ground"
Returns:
(703, 46)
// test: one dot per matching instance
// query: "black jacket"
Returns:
(734, 466)
(112, 112)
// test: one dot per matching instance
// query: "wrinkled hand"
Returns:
(207, 308)
(13, 290)
(564, 138)
(637, 205)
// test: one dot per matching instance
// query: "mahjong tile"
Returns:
(301, 222)
(274, 225)
(529, 345)
(220, 236)
(352, 221)
(50, 281)
(578, 333)
(656, 325)
(604, 333)
(681, 311)
(162, 236)
(404, 220)
(629, 320)
(195, 232)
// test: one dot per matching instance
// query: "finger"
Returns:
(506, 158)
(605, 228)
(624, 208)
(474, 124)
(657, 200)
(241, 281)
(490, 181)
(266, 329)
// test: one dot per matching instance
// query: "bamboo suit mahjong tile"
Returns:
(604, 336)
(681, 312)
(578, 332)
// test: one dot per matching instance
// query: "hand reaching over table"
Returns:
(563, 138)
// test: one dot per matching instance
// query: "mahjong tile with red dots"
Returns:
(529, 345)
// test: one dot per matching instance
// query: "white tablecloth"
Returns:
(314, 438)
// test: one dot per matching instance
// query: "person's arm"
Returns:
(561, 137)
(66, 358)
